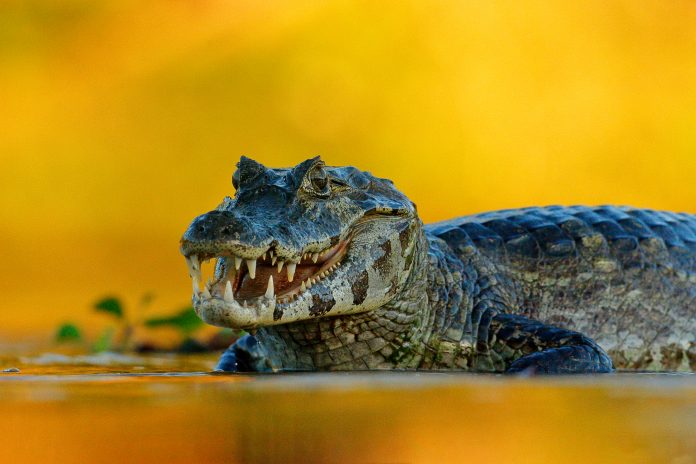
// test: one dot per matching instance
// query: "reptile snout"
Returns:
(214, 226)
(212, 231)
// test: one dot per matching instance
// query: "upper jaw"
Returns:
(250, 283)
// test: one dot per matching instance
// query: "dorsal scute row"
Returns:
(557, 232)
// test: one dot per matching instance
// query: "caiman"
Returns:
(330, 268)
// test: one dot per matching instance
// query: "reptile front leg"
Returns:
(528, 345)
(245, 355)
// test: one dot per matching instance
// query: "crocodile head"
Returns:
(300, 243)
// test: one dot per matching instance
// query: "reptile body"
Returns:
(551, 290)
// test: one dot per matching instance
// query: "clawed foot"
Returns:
(245, 355)
(564, 360)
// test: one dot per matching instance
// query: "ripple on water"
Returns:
(171, 408)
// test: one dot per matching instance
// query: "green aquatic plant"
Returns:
(186, 321)
(119, 337)
(108, 339)
(68, 332)
(110, 305)
(105, 341)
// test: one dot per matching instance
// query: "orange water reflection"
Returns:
(359, 417)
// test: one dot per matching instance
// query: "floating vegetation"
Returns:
(118, 336)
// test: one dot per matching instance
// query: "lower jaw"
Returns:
(253, 313)
(253, 308)
(217, 312)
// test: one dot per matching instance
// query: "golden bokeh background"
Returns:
(122, 120)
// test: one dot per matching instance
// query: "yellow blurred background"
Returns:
(122, 120)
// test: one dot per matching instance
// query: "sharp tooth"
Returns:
(251, 264)
(195, 270)
(237, 262)
(313, 280)
(303, 287)
(324, 274)
(291, 271)
(206, 292)
(229, 295)
(315, 256)
(280, 266)
(270, 291)
(309, 283)
(270, 253)
(189, 265)
(244, 303)
(264, 256)
(273, 260)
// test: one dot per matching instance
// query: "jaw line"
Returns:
(259, 311)
(218, 312)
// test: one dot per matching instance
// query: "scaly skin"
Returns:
(541, 289)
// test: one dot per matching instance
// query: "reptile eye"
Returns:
(318, 181)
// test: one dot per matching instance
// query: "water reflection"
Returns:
(186, 416)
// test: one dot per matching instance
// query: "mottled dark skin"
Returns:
(625, 277)
(543, 290)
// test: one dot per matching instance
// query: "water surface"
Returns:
(170, 409)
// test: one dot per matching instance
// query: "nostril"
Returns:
(200, 228)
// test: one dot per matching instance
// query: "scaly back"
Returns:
(625, 276)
